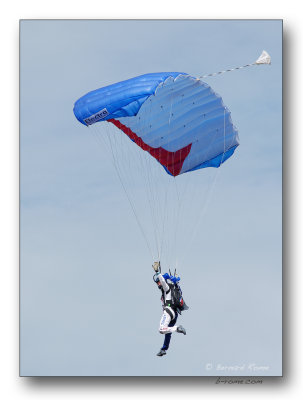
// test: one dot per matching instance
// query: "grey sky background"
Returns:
(88, 304)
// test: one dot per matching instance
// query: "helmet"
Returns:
(157, 281)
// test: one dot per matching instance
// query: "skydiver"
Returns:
(170, 311)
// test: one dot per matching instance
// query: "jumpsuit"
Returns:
(169, 316)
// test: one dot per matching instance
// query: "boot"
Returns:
(180, 329)
(161, 353)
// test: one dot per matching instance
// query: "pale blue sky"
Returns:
(81, 252)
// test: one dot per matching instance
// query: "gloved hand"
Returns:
(166, 276)
(156, 266)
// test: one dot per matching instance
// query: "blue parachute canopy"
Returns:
(177, 118)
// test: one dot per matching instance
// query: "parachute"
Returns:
(178, 119)
(162, 130)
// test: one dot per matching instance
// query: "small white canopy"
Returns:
(264, 58)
